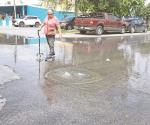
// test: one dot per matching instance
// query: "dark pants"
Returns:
(50, 42)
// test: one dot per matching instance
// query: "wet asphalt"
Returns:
(92, 81)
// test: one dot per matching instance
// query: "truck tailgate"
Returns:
(83, 21)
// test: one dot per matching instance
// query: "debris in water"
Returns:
(108, 60)
(81, 74)
(67, 74)
(2, 102)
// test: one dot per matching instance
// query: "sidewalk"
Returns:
(32, 32)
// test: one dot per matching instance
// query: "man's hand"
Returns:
(60, 36)
(39, 29)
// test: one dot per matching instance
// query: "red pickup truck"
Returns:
(99, 22)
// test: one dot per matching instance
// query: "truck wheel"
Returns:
(132, 30)
(21, 24)
(82, 31)
(99, 30)
(145, 30)
(37, 24)
(123, 29)
(69, 27)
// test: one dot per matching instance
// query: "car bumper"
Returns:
(16, 24)
(85, 28)
(63, 25)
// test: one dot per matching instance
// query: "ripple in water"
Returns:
(72, 75)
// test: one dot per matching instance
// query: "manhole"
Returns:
(72, 75)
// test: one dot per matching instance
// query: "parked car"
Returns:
(100, 22)
(67, 23)
(27, 21)
(136, 25)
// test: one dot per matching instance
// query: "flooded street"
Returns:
(92, 81)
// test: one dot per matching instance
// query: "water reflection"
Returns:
(83, 81)
(119, 80)
(10, 40)
(137, 51)
(129, 56)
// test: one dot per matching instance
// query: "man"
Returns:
(51, 25)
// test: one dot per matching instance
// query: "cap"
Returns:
(50, 11)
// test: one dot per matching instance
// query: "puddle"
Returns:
(138, 53)
(86, 74)
(18, 40)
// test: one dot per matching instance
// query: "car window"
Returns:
(34, 17)
(92, 15)
(31, 17)
(27, 17)
(116, 18)
(68, 18)
(140, 21)
(111, 17)
(101, 16)
(136, 21)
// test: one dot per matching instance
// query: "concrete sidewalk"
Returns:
(32, 32)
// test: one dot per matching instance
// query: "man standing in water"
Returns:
(51, 25)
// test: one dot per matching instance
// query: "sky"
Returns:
(147, 1)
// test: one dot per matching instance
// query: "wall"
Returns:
(42, 12)
(37, 11)
(33, 11)
(61, 14)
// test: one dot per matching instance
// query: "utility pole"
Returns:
(14, 9)
(76, 8)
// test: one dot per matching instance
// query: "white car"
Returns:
(27, 21)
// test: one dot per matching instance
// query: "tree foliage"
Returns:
(146, 11)
(118, 7)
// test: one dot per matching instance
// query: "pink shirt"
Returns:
(50, 26)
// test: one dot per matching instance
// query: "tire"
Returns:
(82, 32)
(21, 24)
(145, 30)
(69, 27)
(132, 30)
(37, 24)
(123, 30)
(99, 30)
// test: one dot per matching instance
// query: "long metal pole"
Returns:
(76, 9)
(14, 9)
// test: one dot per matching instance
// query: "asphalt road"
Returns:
(92, 81)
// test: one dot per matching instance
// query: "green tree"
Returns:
(118, 7)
